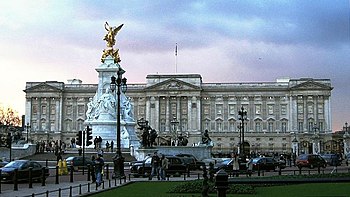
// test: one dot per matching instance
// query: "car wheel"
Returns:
(312, 166)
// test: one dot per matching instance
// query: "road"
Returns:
(79, 177)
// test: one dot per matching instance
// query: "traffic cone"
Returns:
(65, 168)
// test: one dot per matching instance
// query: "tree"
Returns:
(9, 117)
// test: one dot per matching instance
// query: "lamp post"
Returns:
(118, 84)
(27, 126)
(174, 124)
(242, 117)
(346, 127)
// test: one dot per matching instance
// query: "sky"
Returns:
(222, 40)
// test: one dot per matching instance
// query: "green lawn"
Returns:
(155, 189)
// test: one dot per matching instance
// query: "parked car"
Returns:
(3, 163)
(8, 171)
(191, 161)
(77, 162)
(311, 161)
(266, 163)
(227, 165)
(143, 168)
(332, 159)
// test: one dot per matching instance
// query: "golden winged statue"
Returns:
(111, 33)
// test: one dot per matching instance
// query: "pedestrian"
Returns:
(235, 165)
(155, 163)
(163, 167)
(92, 169)
(112, 144)
(99, 163)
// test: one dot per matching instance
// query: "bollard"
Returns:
(57, 180)
(107, 171)
(60, 169)
(59, 192)
(70, 191)
(43, 177)
(30, 173)
(88, 187)
(88, 172)
(280, 171)
(221, 183)
(188, 171)
(109, 183)
(47, 163)
(71, 173)
(15, 181)
(47, 193)
(80, 189)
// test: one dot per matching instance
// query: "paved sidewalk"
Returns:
(78, 188)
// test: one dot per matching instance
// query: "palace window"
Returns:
(43, 109)
(219, 109)
(219, 126)
(310, 109)
(270, 127)
(270, 109)
(283, 109)
(53, 109)
(284, 127)
(320, 108)
(300, 109)
(257, 109)
(35, 109)
(232, 109)
(232, 125)
(206, 109)
(258, 126)
(300, 126)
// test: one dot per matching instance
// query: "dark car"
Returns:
(8, 171)
(311, 161)
(332, 159)
(143, 168)
(78, 162)
(3, 163)
(191, 161)
(227, 164)
(265, 163)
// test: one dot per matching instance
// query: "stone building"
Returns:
(279, 114)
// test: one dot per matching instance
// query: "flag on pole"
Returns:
(176, 50)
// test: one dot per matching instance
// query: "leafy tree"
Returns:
(9, 117)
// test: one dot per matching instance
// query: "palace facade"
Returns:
(282, 116)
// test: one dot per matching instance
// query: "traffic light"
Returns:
(88, 136)
(8, 140)
(79, 138)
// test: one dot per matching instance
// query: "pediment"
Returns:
(173, 84)
(43, 87)
(311, 85)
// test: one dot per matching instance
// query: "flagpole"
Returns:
(176, 58)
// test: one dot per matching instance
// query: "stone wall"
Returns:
(17, 152)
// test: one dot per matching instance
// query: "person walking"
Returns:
(163, 167)
(99, 163)
(155, 162)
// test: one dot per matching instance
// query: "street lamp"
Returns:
(118, 84)
(346, 127)
(174, 124)
(242, 117)
(27, 129)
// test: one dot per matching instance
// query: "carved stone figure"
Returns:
(205, 138)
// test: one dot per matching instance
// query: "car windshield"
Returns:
(255, 160)
(224, 162)
(14, 164)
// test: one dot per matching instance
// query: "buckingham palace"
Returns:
(281, 116)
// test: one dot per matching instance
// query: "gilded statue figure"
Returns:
(111, 33)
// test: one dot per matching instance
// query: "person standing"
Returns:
(155, 162)
(163, 167)
(92, 168)
(99, 163)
